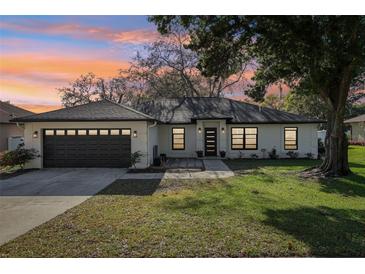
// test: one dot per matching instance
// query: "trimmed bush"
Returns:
(18, 157)
(273, 154)
(292, 154)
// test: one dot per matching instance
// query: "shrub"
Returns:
(292, 154)
(309, 155)
(199, 153)
(357, 143)
(321, 147)
(273, 154)
(18, 157)
(135, 158)
(254, 156)
(222, 153)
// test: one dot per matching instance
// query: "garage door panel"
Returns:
(87, 151)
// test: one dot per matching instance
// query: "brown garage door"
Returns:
(86, 147)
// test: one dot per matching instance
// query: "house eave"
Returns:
(81, 120)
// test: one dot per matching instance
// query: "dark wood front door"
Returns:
(210, 142)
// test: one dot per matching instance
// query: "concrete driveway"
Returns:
(31, 199)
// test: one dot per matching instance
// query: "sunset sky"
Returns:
(41, 53)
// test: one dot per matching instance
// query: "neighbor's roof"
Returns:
(184, 110)
(9, 111)
(357, 119)
(103, 110)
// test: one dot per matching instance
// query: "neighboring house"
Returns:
(357, 125)
(10, 129)
(104, 134)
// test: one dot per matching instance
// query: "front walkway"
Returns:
(214, 169)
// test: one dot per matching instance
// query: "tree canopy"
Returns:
(166, 68)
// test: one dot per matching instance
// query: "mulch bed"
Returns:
(146, 170)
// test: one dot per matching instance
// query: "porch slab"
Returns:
(184, 163)
(214, 169)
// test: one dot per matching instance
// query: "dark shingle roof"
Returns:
(357, 119)
(96, 111)
(9, 111)
(184, 110)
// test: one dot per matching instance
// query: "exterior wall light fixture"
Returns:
(199, 130)
(35, 134)
(135, 133)
(223, 130)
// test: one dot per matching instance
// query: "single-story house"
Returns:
(9, 129)
(104, 134)
(357, 128)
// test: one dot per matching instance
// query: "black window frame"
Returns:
(172, 138)
(244, 138)
(296, 138)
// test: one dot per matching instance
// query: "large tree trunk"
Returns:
(336, 159)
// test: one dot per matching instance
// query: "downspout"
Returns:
(148, 139)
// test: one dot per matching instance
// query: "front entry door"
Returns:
(210, 142)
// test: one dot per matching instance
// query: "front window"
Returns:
(237, 138)
(291, 138)
(244, 138)
(178, 138)
(251, 138)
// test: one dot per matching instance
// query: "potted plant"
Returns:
(136, 158)
(199, 153)
(222, 153)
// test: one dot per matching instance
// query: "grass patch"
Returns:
(265, 210)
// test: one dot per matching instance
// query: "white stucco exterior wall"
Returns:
(272, 136)
(138, 143)
(269, 136)
(358, 131)
(165, 141)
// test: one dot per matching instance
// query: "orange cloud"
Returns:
(35, 77)
(39, 108)
(83, 32)
(61, 65)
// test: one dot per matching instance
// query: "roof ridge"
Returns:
(129, 108)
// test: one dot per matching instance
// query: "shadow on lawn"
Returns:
(137, 187)
(329, 232)
(351, 185)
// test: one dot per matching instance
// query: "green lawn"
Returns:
(266, 210)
